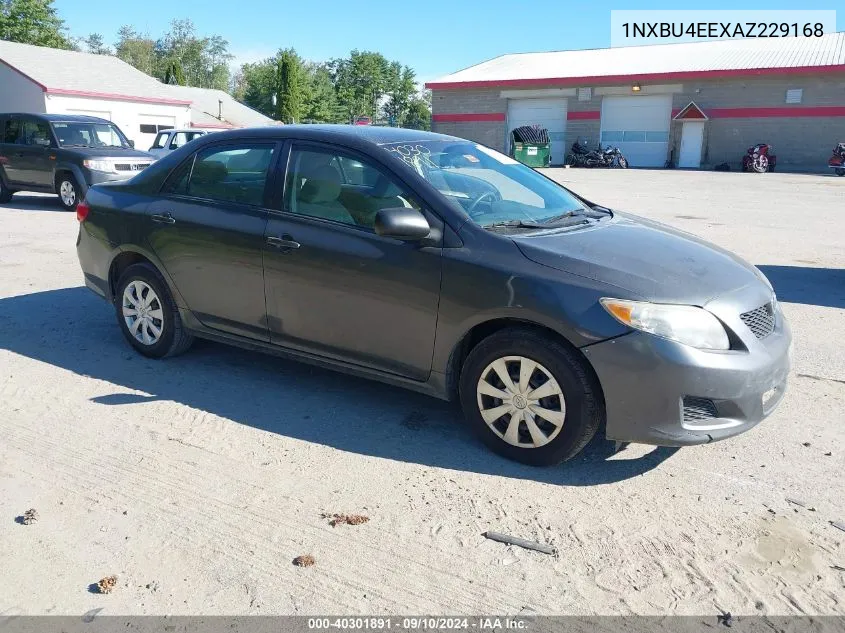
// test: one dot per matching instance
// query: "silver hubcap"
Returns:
(67, 192)
(143, 313)
(521, 401)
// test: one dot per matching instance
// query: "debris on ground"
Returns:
(838, 525)
(345, 519)
(512, 540)
(800, 503)
(306, 560)
(837, 567)
(725, 618)
(107, 584)
(30, 516)
(806, 444)
(828, 454)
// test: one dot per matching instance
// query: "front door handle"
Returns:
(285, 242)
(163, 218)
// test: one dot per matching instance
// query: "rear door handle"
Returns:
(286, 242)
(163, 218)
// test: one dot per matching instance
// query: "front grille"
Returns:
(761, 320)
(131, 166)
(697, 409)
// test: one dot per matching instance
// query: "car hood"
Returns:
(104, 152)
(653, 261)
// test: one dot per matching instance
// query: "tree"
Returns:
(401, 86)
(321, 104)
(136, 50)
(173, 74)
(94, 43)
(360, 82)
(32, 22)
(204, 60)
(418, 116)
(290, 87)
(255, 85)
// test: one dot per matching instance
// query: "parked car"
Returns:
(440, 265)
(168, 140)
(63, 154)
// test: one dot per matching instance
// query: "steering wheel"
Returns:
(486, 194)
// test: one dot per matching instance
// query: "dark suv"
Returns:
(63, 154)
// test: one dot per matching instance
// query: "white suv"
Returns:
(168, 140)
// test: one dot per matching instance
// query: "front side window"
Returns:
(333, 186)
(84, 134)
(36, 133)
(227, 174)
(180, 138)
(489, 187)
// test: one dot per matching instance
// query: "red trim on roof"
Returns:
(22, 74)
(681, 75)
(794, 111)
(587, 115)
(115, 97)
(462, 117)
(213, 126)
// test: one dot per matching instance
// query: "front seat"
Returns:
(319, 196)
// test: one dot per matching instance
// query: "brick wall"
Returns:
(799, 142)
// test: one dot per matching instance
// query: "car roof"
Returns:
(376, 135)
(183, 129)
(63, 118)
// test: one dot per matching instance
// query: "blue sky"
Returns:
(434, 37)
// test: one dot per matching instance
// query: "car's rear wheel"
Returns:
(68, 190)
(147, 314)
(5, 192)
(840, 171)
(530, 397)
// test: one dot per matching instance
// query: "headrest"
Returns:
(322, 185)
(209, 172)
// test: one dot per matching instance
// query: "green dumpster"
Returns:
(531, 154)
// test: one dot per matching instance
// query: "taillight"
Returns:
(82, 210)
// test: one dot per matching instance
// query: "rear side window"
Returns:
(12, 131)
(36, 133)
(225, 174)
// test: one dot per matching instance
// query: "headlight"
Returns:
(100, 165)
(689, 325)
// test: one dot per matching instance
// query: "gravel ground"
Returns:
(197, 480)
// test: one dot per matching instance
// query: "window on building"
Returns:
(794, 95)
(585, 94)
(151, 128)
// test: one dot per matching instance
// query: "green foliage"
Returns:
(94, 43)
(174, 74)
(290, 86)
(32, 22)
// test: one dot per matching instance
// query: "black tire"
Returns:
(584, 402)
(68, 179)
(623, 162)
(570, 160)
(175, 339)
(5, 192)
(761, 165)
(840, 171)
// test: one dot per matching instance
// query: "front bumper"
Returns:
(646, 379)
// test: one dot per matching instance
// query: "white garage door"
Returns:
(639, 126)
(547, 113)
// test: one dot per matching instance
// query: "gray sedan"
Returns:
(440, 265)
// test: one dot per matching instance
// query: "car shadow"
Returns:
(24, 202)
(72, 329)
(811, 286)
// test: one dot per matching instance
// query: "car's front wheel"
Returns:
(147, 314)
(530, 397)
(68, 189)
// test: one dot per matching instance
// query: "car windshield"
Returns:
(79, 134)
(491, 188)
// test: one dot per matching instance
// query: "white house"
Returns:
(48, 80)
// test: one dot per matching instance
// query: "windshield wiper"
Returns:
(521, 224)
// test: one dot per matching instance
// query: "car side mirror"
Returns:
(402, 223)
(131, 143)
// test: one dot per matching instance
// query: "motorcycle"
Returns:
(759, 159)
(581, 156)
(837, 161)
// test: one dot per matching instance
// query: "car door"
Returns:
(34, 152)
(12, 155)
(208, 227)
(335, 288)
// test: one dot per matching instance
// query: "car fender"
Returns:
(73, 169)
(149, 255)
